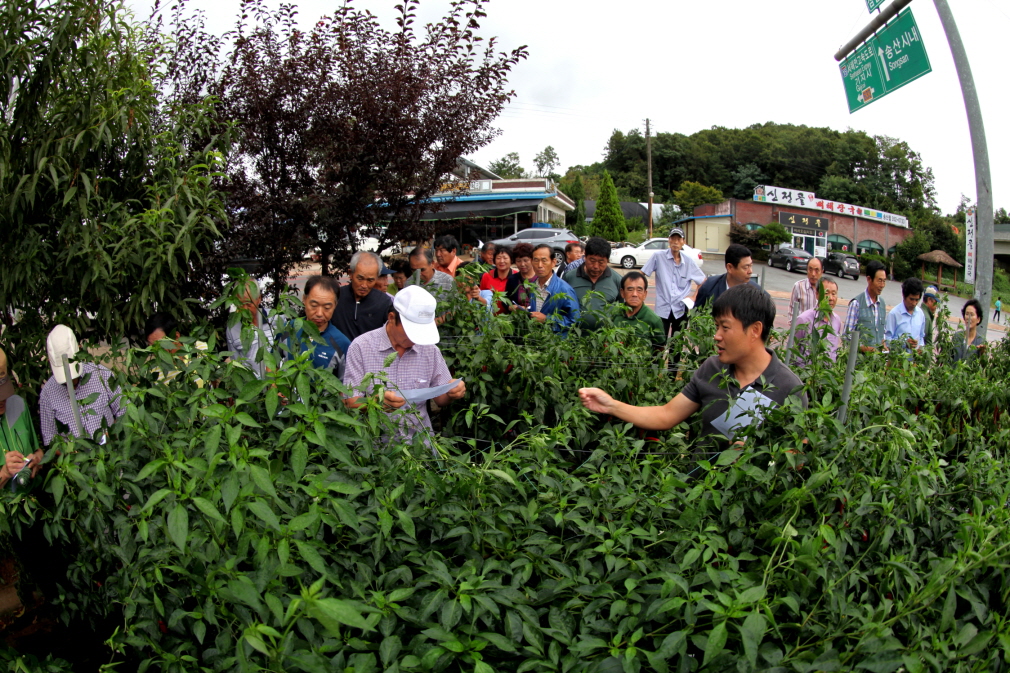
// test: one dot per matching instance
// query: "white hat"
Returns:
(62, 342)
(416, 307)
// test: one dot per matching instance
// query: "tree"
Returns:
(576, 219)
(349, 128)
(773, 234)
(745, 179)
(1001, 216)
(608, 220)
(692, 194)
(108, 202)
(507, 167)
(546, 162)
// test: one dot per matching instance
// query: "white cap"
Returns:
(416, 307)
(61, 341)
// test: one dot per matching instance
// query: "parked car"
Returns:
(629, 257)
(841, 264)
(790, 259)
(556, 238)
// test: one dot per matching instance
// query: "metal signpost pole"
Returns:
(850, 367)
(787, 356)
(73, 396)
(980, 152)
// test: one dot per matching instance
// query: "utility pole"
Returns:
(980, 152)
(648, 155)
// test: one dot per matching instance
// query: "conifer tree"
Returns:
(608, 221)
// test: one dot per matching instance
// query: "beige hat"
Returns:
(62, 342)
(6, 382)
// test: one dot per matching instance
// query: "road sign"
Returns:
(873, 4)
(887, 61)
(970, 238)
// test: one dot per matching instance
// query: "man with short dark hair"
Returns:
(739, 266)
(805, 291)
(320, 300)
(260, 330)
(411, 334)
(929, 300)
(867, 311)
(906, 320)
(575, 257)
(812, 324)
(422, 263)
(634, 290)
(360, 307)
(446, 251)
(553, 300)
(594, 275)
(745, 372)
(675, 273)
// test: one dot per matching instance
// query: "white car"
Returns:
(638, 255)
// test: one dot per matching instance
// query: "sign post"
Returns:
(887, 61)
(970, 239)
(873, 4)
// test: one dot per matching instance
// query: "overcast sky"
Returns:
(693, 64)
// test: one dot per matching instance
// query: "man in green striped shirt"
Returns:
(17, 432)
(633, 289)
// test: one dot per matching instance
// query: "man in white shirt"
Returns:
(674, 275)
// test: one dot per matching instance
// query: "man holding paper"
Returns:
(418, 372)
(732, 389)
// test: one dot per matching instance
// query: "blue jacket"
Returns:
(329, 356)
(562, 311)
(712, 289)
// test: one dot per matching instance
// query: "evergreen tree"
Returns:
(576, 219)
(608, 221)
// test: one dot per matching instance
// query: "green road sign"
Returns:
(890, 59)
(873, 4)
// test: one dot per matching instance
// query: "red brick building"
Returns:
(812, 229)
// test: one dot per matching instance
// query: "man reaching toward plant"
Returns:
(744, 373)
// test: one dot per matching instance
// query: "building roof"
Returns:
(939, 257)
(630, 209)
(700, 217)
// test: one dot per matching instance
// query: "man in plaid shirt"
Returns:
(411, 334)
(88, 379)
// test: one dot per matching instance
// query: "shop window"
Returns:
(839, 243)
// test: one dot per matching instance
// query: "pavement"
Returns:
(778, 283)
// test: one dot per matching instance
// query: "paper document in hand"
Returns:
(423, 394)
(748, 408)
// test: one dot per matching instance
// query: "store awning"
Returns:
(461, 210)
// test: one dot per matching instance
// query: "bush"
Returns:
(258, 525)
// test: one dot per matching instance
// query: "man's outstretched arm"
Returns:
(665, 417)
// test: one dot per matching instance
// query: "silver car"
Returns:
(556, 238)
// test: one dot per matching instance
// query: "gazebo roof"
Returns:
(939, 257)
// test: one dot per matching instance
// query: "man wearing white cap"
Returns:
(410, 332)
(88, 379)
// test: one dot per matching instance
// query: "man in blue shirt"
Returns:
(554, 301)
(320, 300)
(674, 274)
(906, 320)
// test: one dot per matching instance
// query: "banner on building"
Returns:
(802, 199)
(969, 246)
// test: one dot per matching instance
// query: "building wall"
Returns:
(854, 228)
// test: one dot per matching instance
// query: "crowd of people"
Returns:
(386, 320)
